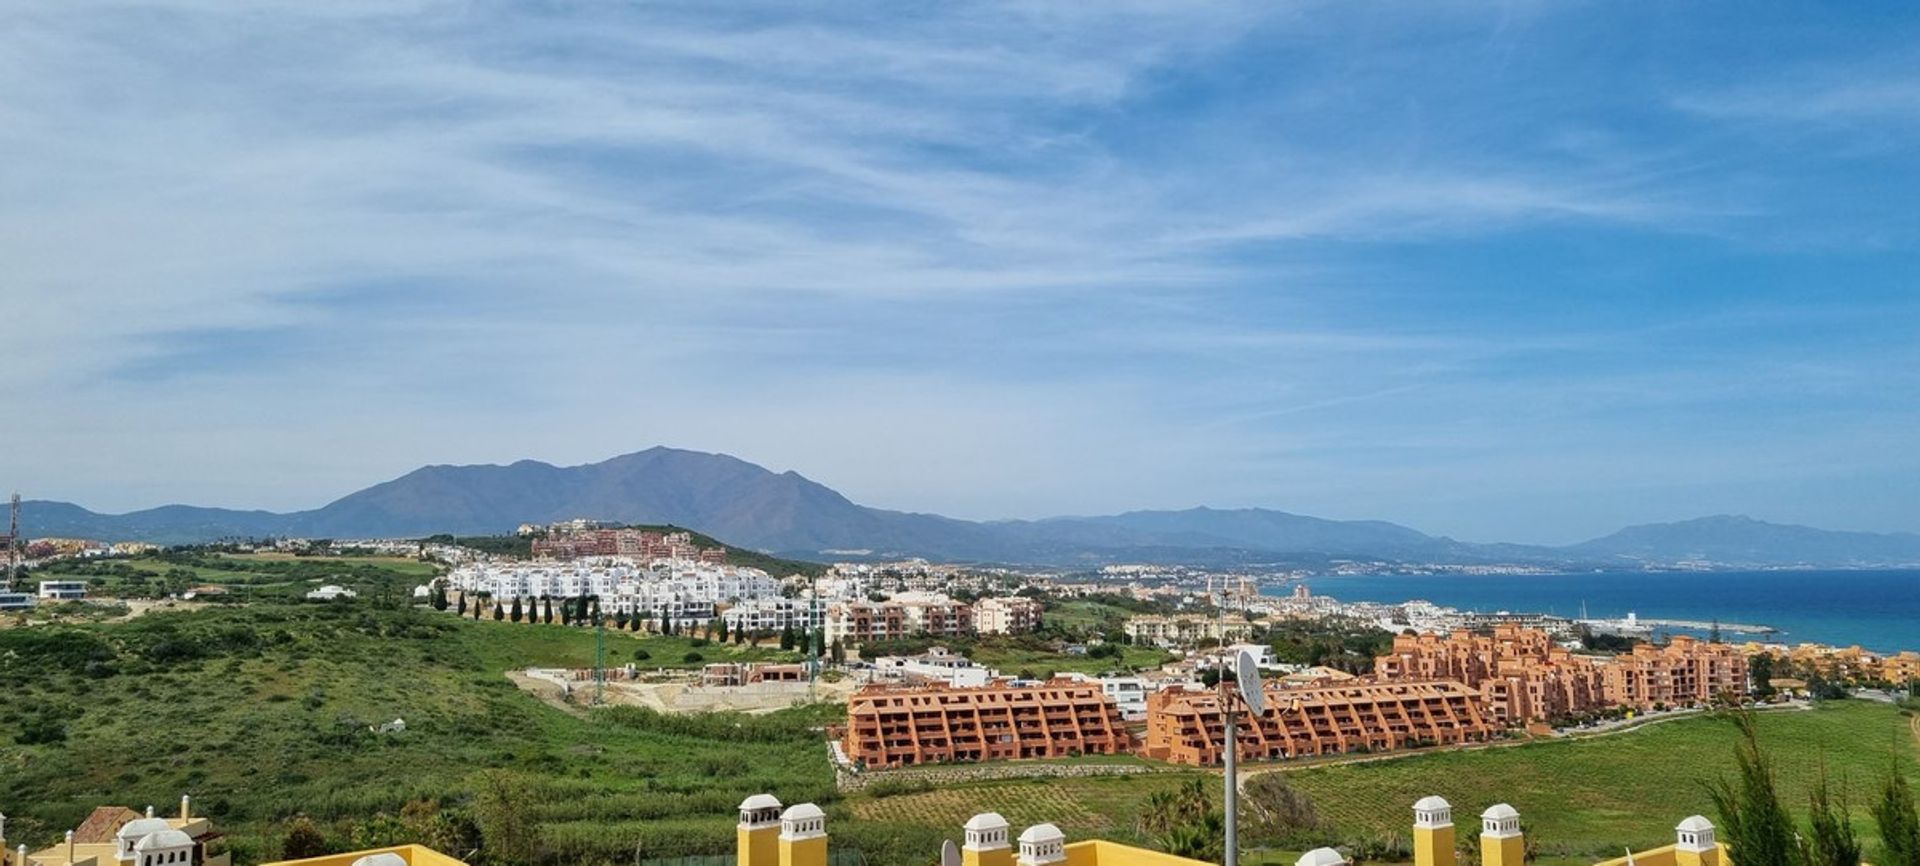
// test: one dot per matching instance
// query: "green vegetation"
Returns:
(251, 574)
(1580, 798)
(265, 712)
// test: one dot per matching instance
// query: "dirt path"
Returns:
(547, 692)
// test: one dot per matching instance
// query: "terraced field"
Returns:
(1578, 797)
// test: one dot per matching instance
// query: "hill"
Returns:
(789, 514)
(1739, 540)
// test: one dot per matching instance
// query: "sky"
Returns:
(1524, 271)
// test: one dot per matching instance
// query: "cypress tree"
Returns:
(722, 630)
(497, 615)
(516, 614)
(786, 638)
(1833, 842)
(1755, 823)
(463, 605)
(1899, 822)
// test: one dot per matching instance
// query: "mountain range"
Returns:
(788, 514)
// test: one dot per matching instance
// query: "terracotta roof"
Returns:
(103, 824)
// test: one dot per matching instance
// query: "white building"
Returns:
(63, 590)
(331, 592)
(686, 591)
(773, 615)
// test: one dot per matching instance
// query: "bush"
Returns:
(693, 658)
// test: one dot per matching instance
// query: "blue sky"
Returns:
(1518, 271)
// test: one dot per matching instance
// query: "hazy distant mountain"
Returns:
(786, 513)
(1737, 540)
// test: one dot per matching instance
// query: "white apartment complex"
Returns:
(687, 592)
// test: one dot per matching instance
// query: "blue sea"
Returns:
(1879, 610)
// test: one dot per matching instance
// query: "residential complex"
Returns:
(567, 542)
(687, 592)
(897, 727)
(912, 614)
(1523, 676)
(1186, 726)
(1187, 630)
(1845, 664)
(1007, 615)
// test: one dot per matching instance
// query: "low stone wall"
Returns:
(848, 780)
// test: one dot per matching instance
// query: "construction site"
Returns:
(746, 687)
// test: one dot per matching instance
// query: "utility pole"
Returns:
(13, 540)
(599, 660)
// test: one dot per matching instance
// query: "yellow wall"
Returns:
(1503, 851)
(1433, 846)
(415, 855)
(1001, 856)
(803, 852)
(1098, 852)
(759, 846)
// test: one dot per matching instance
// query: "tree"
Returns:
(786, 638)
(1832, 841)
(819, 643)
(497, 614)
(837, 653)
(1898, 821)
(720, 628)
(516, 614)
(593, 616)
(303, 840)
(546, 609)
(1753, 821)
(1760, 672)
(508, 832)
(439, 597)
(463, 606)
(1182, 821)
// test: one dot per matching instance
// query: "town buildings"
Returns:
(686, 592)
(1006, 615)
(898, 727)
(1187, 630)
(577, 541)
(913, 614)
(1186, 725)
(1523, 676)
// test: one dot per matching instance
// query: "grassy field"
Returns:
(1583, 797)
(247, 574)
(262, 712)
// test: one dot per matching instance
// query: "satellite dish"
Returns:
(949, 854)
(1247, 675)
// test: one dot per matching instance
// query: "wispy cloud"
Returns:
(1071, 235)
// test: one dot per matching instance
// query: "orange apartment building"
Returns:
(1523, 676)
(1682, 673)
(898, 727)
(1185, 726)
(858, 622)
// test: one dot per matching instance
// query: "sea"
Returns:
(1878, 610)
